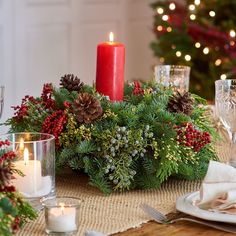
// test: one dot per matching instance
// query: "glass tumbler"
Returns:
(36, 161)
(174, 76)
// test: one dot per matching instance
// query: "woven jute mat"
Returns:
(118, 211)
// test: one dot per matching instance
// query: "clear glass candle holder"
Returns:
(61, 215)
(36, 161)
(174, 76)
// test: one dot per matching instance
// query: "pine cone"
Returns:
(179, 103)
(71, 83)
(87, 108)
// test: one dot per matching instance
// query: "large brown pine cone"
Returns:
(179, 103)
(87, 108)
(71, 83)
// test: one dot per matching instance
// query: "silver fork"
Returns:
(162, 219)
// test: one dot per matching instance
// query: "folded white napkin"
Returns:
(218, 190)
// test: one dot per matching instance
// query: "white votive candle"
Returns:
(62, 219)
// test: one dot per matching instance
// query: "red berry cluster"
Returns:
(54, 124)
(190, 137)
(6, 168)
(46, 96)
(16, 224)
(7, 156)
(4, 143)
(8, 191)
(137, 90)
(67, 104)
(22, 110)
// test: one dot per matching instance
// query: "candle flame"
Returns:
(22, 144)
(111, 37)
(62, 206)
(26, 156)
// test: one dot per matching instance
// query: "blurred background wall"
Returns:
(41, 40)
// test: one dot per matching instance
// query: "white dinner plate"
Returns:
(185, 204)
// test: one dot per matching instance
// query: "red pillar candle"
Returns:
(110, 69)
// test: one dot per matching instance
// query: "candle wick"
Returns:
(62, 208)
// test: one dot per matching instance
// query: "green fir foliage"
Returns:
(134, 144)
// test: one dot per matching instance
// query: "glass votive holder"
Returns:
(36, 161)
(174, 76)
(61, 215)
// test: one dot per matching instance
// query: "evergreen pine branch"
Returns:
(192, 172)
(146, 181)
(67, 153)
(145, 177)
(101, 183)
(89, 89)
(85, 147)
(76, 163)
(60, 95)
(88, 164)
(65, 156)
(181, 118)
(128, 90)
(166, 169)
(198, 99)
(97, 178)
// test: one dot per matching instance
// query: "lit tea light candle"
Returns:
(61, 218)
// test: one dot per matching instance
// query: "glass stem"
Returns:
(232, 158)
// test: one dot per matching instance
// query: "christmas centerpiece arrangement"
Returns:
(200, 34)
(14, 210)
(140, 142)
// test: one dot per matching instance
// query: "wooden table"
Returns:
(178, 229)
(182, 228)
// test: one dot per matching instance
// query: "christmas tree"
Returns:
(200, 34)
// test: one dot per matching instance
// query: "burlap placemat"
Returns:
(118, 211)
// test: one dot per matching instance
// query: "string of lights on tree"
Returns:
(200, 34)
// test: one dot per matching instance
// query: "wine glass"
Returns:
(225, 101)
(1, 99)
